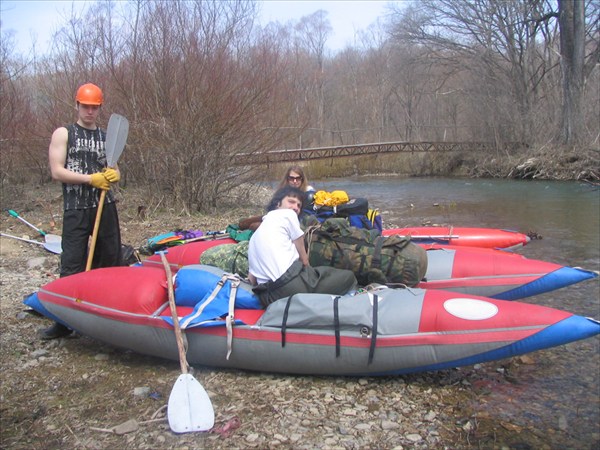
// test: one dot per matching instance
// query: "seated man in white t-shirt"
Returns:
(277, 258)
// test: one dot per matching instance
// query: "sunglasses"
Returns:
(291, 178)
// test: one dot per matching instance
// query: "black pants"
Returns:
(78, 226)
(299, 278)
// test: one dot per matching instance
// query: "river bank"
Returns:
(548, 163)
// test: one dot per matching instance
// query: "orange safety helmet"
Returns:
(89, 94)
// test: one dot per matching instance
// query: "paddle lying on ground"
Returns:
(190, 408)
(116, 137)
(51, 239)
(53, 247)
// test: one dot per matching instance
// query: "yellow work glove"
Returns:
(99, 181)
(111, 175)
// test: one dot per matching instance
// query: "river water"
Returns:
(558, 390)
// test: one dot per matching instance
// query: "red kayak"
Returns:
(464, 237)
(475, 271)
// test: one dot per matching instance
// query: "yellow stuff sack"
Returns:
(324, 198)
(338, 198)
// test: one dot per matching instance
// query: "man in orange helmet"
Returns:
(77, 159)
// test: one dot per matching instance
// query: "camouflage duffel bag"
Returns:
(232, 258)
(372, 258)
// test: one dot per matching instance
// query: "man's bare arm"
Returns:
(57, 156)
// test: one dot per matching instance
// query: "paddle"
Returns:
(174, 242)
(168, 238)
(208, 237)
(190, 408)
(49, 238)
(441, 237)
(116, 136)
(53, 247)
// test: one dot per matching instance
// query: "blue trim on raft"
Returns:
(565, 276)
(34, 303)
(572, 329)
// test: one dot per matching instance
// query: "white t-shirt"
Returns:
(271, 250)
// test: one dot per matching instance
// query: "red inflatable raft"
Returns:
(464, 237)
(476, 271)
(381, 332)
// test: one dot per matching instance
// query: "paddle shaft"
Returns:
(178, 337)
(88, 265)
(207, 237)
(176, 238)
(21, 239)
(441, 237)
(14, 214)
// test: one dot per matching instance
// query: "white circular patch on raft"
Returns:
(470, 309)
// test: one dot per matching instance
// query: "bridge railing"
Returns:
(278, 156)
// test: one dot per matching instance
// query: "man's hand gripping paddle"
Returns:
(116, 137)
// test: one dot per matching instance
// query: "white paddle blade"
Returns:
(53, 243)
(52, 238)
(116, 138)
(190, 408)
(53, 247)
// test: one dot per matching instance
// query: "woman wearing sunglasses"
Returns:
(295, 177)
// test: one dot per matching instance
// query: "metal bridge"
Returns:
(278, 156)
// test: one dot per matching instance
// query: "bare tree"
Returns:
(492, 38)
(576, 67)
(21, 148)
(360, 93)
(312, 33)
(204, 94)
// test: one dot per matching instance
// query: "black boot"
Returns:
(55, 331)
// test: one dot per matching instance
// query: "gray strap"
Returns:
(229, 320)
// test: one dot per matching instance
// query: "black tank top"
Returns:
(85, 154)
